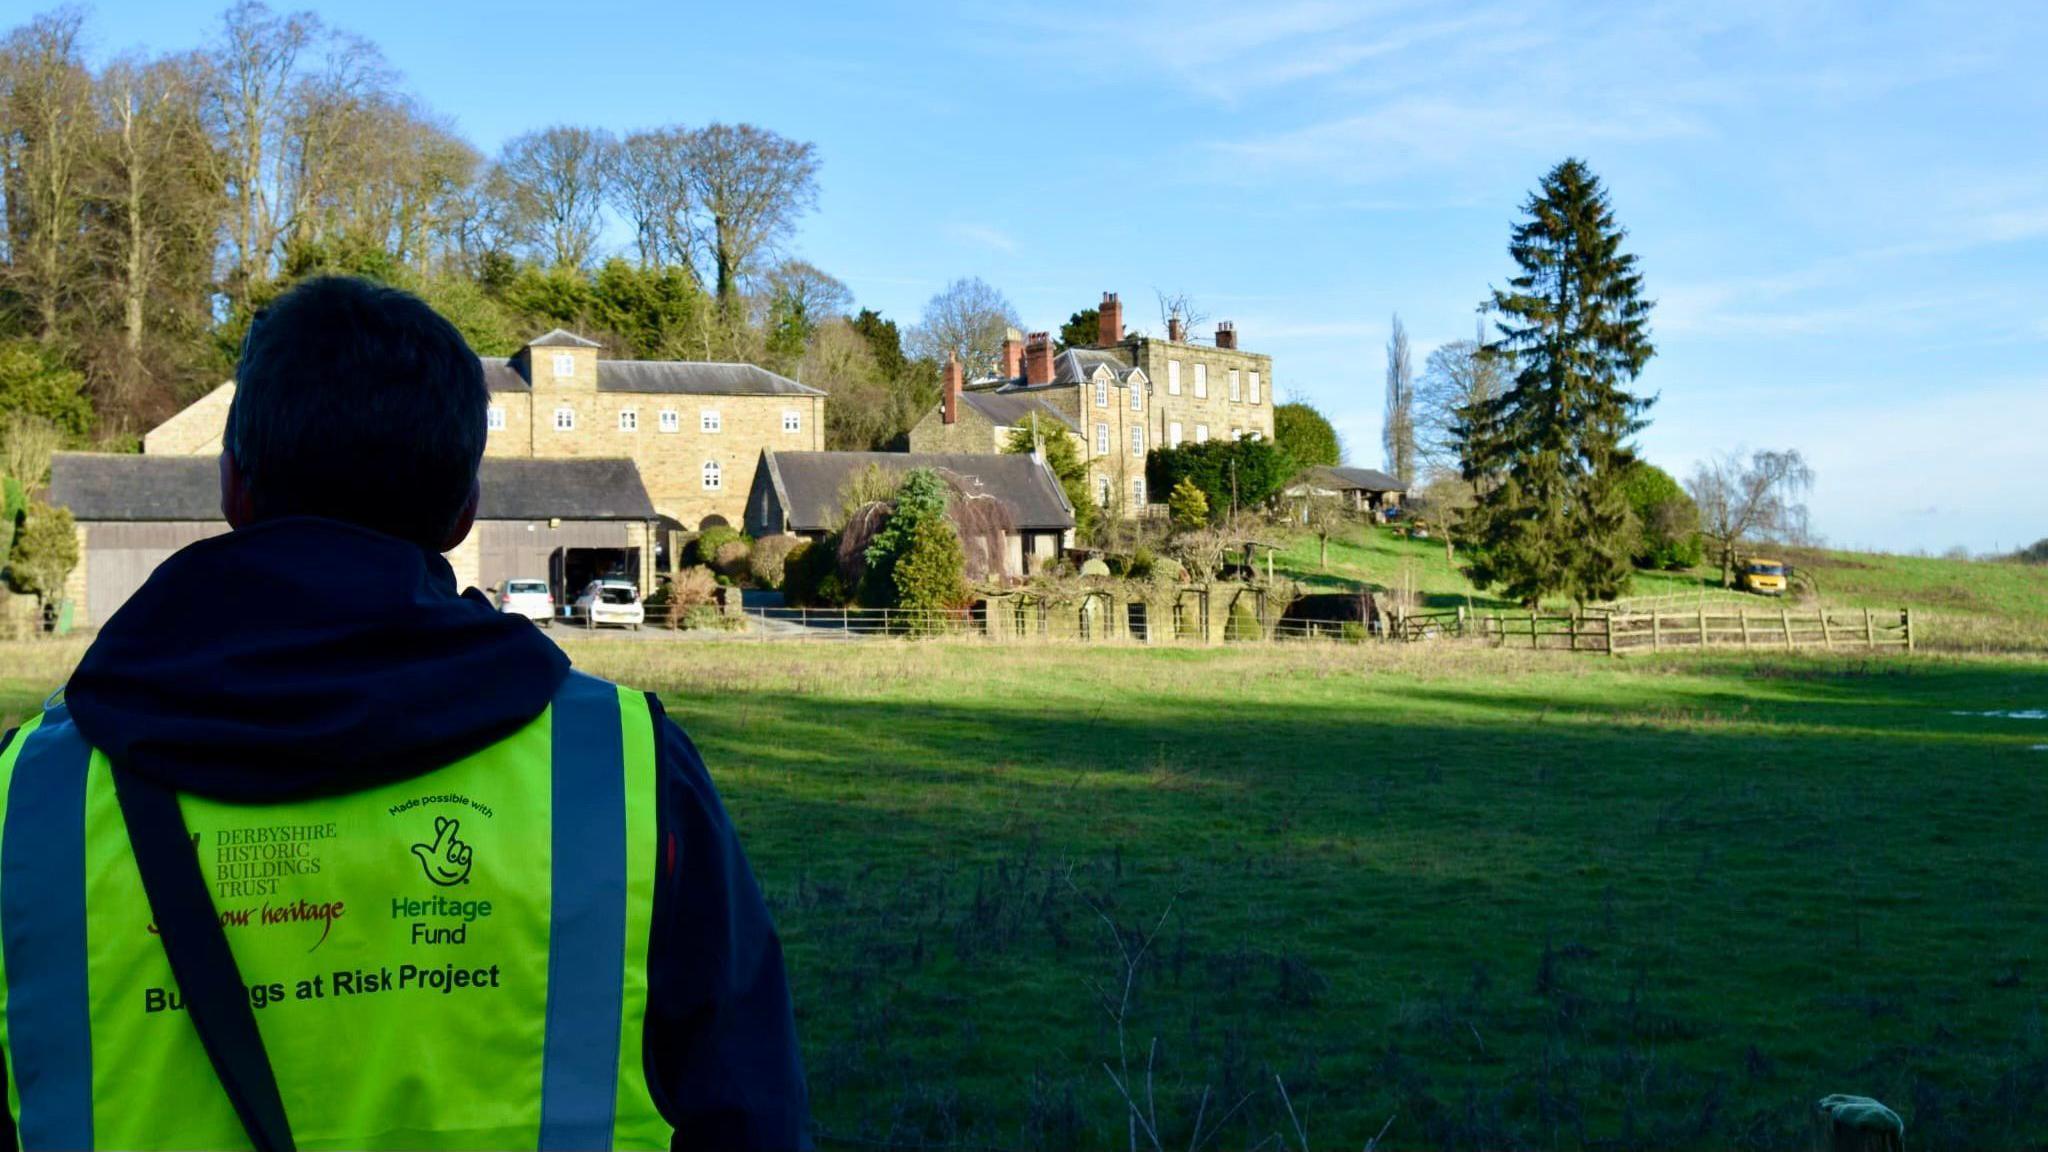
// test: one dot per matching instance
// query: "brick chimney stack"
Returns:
(1013, 354)
(1110, 322)
(1038, 358)
(1176, 332)
(950, 411)
(1226, 334)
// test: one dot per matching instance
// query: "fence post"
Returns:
(1869, 629)
(1532, 631)
(1703, 621)
(1827, 638)
(1785, 617)
(1906, 622)
(1656, 631)
(1744, 614)
(1571, 632)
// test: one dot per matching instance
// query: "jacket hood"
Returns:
(302, 657)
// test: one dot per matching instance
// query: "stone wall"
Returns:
(196, 429)
(972, 432)
(1217, 411)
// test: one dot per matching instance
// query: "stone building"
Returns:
(1123, 396)
(694, 430)
(564, 521)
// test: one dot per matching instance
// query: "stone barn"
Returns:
(564, 521)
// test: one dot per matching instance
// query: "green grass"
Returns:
(1509, 899)
(1963, 605)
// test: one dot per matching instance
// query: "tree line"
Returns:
(151, 204)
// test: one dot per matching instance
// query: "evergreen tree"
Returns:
(1550, 454)
(1306, 435)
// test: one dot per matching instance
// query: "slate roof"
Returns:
(1368, 479)
(677, 377)
(105, 487)
(1008, 410)
(807, 484)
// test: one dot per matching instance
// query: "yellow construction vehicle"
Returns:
(1763, 576)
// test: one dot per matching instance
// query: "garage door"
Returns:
(119, 557)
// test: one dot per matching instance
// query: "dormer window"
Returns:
(565, 365)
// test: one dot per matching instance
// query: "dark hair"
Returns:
(358, 402)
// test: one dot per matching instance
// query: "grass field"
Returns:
(1961, 605)
(1506, 899)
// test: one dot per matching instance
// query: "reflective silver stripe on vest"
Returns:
(42, 907)
(587, 919)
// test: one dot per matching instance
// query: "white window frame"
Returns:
(792, 420)
(1201, 433)
(1137, 491)
(1102, 439)
(671, 420)
(565, 419)
(1102, 393)
(1236, 434)
(1137, 440)
(565, 365)
(1201, 381)
(1173, 434)
(1173, 377)
(629, 419)
(713, 476)
(1137, 398)
(1236, 386)
(710, 421)
(1252, 393)
(494, 418)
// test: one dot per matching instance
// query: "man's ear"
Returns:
(236, 503)
(466, 521)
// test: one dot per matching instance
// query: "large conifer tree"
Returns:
(1548, 456)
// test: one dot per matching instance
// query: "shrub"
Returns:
(1252, 470)
(1187, 505)
(44, 552)
(1667, 520)
(804, 573)
(769, 561)
(930, 572)
(704, 549)
(2035, 553)
(689, 589)
(922, 497)
(730, 558)
(1141, 564)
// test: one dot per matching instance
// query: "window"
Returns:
(494, 419)
(792, 420)
(713, 478)
(1102, 439)
(671, 420)
(1102, 491)
(1173, 377)
(709, 421)
(1102, 393)
(1236, 387)
(1138, 491)
(565, 419)
(1254, 394)
(1201, 433)
(1137, 398)
(1237, 433)
(629, 419)
(565, 365)
(1173, 434)
(1201, 381)
(1137, 441)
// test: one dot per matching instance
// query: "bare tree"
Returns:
(748, 186)
(812, 294)
(1179, 315)
(553, 180)
(1456, 378)
(648, 180)
(1750, 501)
(336, 117)
(1397, 434)
(250, 76)
(46, 100)
(969, 319)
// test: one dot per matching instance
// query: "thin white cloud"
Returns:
(983, 235)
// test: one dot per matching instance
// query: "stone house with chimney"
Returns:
(1121, 397)
(695, 431)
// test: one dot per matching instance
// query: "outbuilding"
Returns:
(564, 521)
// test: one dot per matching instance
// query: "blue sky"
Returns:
(1842, 208)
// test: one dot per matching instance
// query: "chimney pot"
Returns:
(950, 402)
(1038, 358)
(1226, 334)
(1109, 321)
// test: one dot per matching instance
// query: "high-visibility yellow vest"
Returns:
(457, 960)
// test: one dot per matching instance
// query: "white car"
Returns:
(529, 598)
(610, 602)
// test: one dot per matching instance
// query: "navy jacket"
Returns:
(305, 656)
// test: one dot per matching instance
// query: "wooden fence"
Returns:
(1718, 627)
